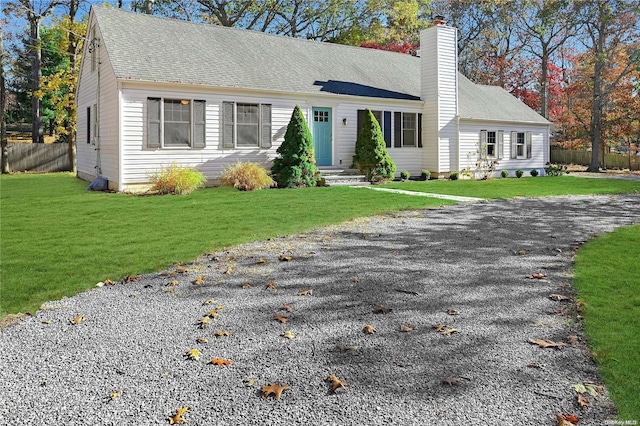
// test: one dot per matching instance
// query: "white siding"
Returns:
(105, 97)
(470, 139)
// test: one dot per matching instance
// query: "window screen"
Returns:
(247, 124)
(177, 122)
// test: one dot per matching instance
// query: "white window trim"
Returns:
(260, 124)
(192, 123)
(415, 130)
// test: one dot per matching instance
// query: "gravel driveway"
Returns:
(125, 363)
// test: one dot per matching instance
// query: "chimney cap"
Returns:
(439, 20)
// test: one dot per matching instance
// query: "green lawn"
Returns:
(57, 239)
(607, 278)
(524, 187)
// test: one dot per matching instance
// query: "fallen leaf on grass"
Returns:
(274, 389)
(559, 297)
(287, 308)
(563, 422)
(222, 333)
(220, 362)
(193, 354)
(407, 327)
(270, 286)
(199, 280)
(547, 343)
(336, 383)
(452, 381)
(289, 334)
(284, 258)
(537, 276)
(203, 322)
(368, 329)
(305, 293)
(177, 418)
(381, 309)
(77, 319)
(583, 400)
(453, 312)
(202, 340)
(280, 318)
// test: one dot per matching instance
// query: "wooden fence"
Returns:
(38, 157)
(611, 161)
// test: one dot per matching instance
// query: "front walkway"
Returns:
(427, 194)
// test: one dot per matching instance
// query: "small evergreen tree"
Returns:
(372, 158)
(295, 165)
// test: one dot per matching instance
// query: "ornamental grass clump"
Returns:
(175, 179)
(372, 158)
(247, 177)
(295, 165)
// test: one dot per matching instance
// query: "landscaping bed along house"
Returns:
(456, 315)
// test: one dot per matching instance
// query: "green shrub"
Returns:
(246, 177)
(555, 169)
(519, 173)
(295, 165)
(454, 175)
(425, 174)
(534, 172)
(404, 175)
(175, 179)
(372, 158)
(504, 173)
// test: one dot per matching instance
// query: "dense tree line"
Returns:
(577, 62)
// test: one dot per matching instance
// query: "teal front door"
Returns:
(321, 123)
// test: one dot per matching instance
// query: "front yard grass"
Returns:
(525, 187)
(57, 239)
(608, 282)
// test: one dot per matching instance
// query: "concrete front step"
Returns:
(345, 180)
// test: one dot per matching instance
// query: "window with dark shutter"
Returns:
(386, 132)
(227, 125)
(419, 130)
(265, 126)
(199, 124)
(153, 122)
(88, 124)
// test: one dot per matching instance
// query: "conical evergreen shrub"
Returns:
(295, 165)
(372, 158)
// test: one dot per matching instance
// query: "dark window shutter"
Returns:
(397, 129)
(227, 125)
(88, 124)
(359, 123)
(529, 147)
(387, 128)
(153, 122)
(514, 142)
(419, 130)
(482, 152)
(265, 126)
(500, 144)
(199, 124)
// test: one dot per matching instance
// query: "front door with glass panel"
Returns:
(321, 123)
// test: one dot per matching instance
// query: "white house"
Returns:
(155, 91)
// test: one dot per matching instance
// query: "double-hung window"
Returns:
(407, 130)
(491, 143)
(246, 125)
(521, 146)
(175, 123)
(384, 120)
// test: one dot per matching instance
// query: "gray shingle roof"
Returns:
(147, 48)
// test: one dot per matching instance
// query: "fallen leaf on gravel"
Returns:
(407, 327)
(270, 286)
(246, 285)
(287, 308)
(521, 252)
(571, 418)
(46, 321)
(336, 383)
(305, 293)
(289, 334)
(583, 400)
(274, 389)
(559, 297)
(199, 280)
(589, 387)
(174, 282)
(452, 381)
(78, 319)
(209, 302)
(368, 329)
(113, 395)
(177, 418)
(193, 354)
(202, 340)
(129, 279)
(535, 365)
(203, 322)
(439, 327)
(449, 331)
(220, 362)
(547, 343)
(280, 318)
(212, 313)
(355, 280)
(284, 258)
(249, 381)
(229, 270)
(573, 340)
(453, 312)
(222, 333)
(109, 282)
(182, 270)
(563, 422)
(261, 261)
(381, 309)
(219, 307)
(537, 276)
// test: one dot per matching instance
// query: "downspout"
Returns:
(120, 158)
(98, 159)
